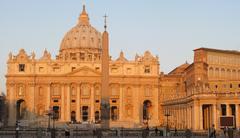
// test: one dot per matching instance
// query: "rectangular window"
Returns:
(147, 69)
(21, 67)
(73, 68)
(114, 70)
(73, 56)
(129, 71)
(55, 100)
(56, 69)
(97, 68)
(82, 56)
(41, 69)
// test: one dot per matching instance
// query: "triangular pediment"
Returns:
(84, 71)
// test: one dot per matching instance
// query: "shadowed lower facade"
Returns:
(194, 95)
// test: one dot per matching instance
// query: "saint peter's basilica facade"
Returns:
(194, 95)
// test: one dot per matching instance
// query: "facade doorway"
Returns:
(97, 116)
(73, 117)
(85, 113)
(114, 113)
(21, 109)
(56, 112)
(147, 105)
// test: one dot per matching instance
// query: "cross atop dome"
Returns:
(83, 18)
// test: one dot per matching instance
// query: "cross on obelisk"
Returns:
(105, 22)
(105, 104)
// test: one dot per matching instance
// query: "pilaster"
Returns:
(237, 116)
(78, 104)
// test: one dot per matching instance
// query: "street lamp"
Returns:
(17, 128)
(167, 114)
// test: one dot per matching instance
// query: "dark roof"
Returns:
(180, 69)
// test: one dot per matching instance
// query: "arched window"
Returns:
(239, 74)
(85, 113)
(73, 116)
(210, 72)
(21, 109)
(114, 113)
(97, 116)
(222, 73)
(147, 105)
(234, 74)
(217, 73)
(20, 91)
(228, 75)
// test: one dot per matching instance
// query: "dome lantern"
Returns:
(83, 18)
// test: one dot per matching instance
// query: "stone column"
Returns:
(121, 103)
(178, 117)
(92, 118)
(237, 116)
(218, 107)
(48, 98)
(228, 110)
(190, 119)
(200, 117)
(78, 104)
(196, 115)
(214, 113)
(68, 110)
(187, 116)
(12, 105)
(62, 102)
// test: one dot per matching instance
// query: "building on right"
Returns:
(204, 93)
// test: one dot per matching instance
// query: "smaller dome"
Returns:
(82, 36)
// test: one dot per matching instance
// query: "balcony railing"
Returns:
(199, 95)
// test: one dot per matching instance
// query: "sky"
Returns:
(170, 29)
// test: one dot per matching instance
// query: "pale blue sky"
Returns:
(170, 29)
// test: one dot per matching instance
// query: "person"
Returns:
(67, 131)
(99, 133)
(147, 131)
(213, 132)
(230, 132)
(175, 132)
(156, 131)
(225, 130)
(188, 133)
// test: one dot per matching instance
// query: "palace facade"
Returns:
(139, 94)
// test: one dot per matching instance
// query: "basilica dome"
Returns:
(82, 36)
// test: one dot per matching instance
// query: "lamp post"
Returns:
(17, 128)
(53, 129)
(167, 114)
